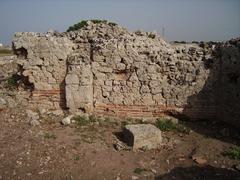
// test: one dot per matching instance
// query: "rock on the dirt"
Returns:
(199, 160)
(34, 122)
(32, 115)
(237, 167)
(135, 178)
(67, 120)
(142, 136)
(119, 145)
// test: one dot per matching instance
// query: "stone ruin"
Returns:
(105, 70)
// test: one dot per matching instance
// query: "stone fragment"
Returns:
(34, 122)
(118, 146)
(67, 120)
(142, 136)
(32, 115)
(135, 178)
(57, 113)
(237, 167)
(199, 160)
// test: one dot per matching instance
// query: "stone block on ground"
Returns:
(142, 136)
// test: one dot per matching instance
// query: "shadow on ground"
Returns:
(200, 173)
(215, 109)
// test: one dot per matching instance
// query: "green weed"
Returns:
(49, 136)
(83, 23)
(139, 171)
(234, 153)
(167, 125)
(77, 158)
(12, 82)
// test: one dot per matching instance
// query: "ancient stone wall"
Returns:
(42, 58)
(228, 95)
(105, 70)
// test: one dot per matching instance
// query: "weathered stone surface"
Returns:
(143, 136)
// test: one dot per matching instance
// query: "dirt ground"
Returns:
(56, 152)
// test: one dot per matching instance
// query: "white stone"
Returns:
(34, 122)
(67, 120)
(32, 115)
(143, 136)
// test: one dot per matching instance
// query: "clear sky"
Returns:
(183, 19)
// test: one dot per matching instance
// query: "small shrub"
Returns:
(92, 118)
(97, 21)
(77, 158)
(77, 26)
(12, 82)
(234, 153)
(152, 36)
(83, 23)
(107, 119)
(81, 120)
(167, 125)
(49, 136)
(112, 24)
(139, 170)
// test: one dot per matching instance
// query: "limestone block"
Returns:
(142, 136)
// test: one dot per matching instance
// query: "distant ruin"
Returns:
(105, 70)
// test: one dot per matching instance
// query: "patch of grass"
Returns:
(77, 26)
(84, 121)
(124, 123)
(92, 118)
(167, 125)
(107, 119)
(12, 82)
(127, 121)
(77, 158)
(139, 170)
(49, 136)
(234, 153)
(81, 120)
